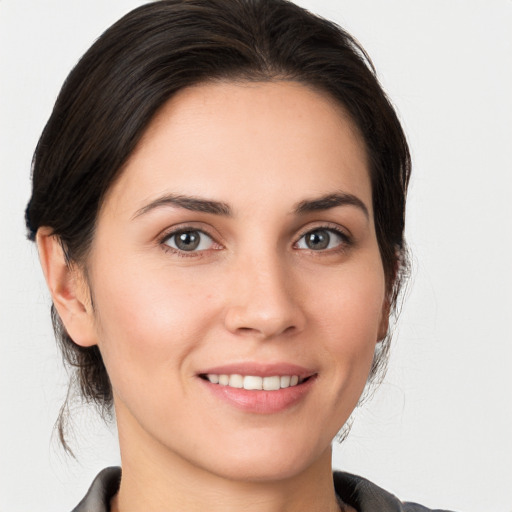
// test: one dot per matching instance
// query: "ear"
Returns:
(386, 305)
(68, 288)
(384, 320)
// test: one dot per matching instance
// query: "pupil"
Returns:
(318, 240)
(187, 241)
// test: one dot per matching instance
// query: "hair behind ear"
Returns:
(73, 323)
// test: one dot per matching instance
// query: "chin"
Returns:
(269, 461)
(269, 470)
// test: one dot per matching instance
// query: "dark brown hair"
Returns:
(114, 91)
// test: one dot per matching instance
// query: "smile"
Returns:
(254, 382)
(259, 388)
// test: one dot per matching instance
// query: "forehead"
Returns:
(219, 138)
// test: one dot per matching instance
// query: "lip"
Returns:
(260, 370)
(260, 401)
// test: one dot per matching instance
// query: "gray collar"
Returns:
(354, 490)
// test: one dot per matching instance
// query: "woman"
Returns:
(218, 204)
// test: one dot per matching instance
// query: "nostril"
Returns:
(266, 333)
(264, 318)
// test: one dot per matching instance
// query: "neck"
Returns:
(157, 480)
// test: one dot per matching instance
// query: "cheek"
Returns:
(348, 315)
(148, 320)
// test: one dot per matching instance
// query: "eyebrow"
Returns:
(197, 204)
(194, 204)
(331, 201)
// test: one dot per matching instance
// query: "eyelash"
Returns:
(184, 229)
(346, 240)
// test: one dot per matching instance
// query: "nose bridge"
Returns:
(262, 299)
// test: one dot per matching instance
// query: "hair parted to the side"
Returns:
(112, 94)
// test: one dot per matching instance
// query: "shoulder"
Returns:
(103, 488)
(365, 496)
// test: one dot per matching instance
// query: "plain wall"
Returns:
(438, 429)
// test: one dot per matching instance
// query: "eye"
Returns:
(321, 239)
(189, 240)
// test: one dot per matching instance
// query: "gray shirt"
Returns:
(354, 490)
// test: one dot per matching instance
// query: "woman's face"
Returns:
(239, 245)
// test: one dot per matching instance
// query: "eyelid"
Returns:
(343, 233)
(325, 225)
(180, 228)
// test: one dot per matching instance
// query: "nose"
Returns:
(263, 300)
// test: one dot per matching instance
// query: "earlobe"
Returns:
(388, 300)
(384, 321)
(383, 328)
(68, 288)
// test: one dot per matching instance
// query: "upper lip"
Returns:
(259, 369)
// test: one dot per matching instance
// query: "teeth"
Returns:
(271, 383)
(253, 382)
(236, 381)
(285, 381)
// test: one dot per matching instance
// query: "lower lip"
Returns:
(261, 402)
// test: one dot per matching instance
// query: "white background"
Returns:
(439, 429)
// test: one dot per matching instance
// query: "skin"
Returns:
(254, 291)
